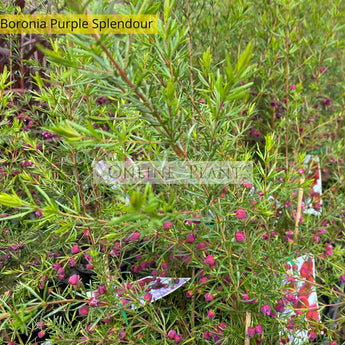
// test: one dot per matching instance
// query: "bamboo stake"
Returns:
(248, 320)
(299, 207)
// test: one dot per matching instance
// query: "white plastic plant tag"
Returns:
(313, 201)
(160, 287)
(151, 288)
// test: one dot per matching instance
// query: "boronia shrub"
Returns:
(252, 81)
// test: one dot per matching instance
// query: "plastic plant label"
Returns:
(313, 201)
(150, 288)
(160, 287)
(300, 284)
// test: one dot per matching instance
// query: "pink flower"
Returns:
(189, 294)
(190, 238)
(72, 262)
(329, 246)
(75, 249)
(210, 314)
(207, 335)
(240, 236)
(291, 279)
(42, 282)
(73, 280)
(251, 332)
(167, 225)
(247, 185)
(293, 87)
(209, 297)
(290, 297)
(266, 309)
(41, 334)
(241, 214)
(165, 266)
(172, 334)
(280, 306)
(148, 297)
(135, 236)
(123, 335)
(203, 280)
(216, 338)
(322, 231)
(56, 266)
(101, 289)
(178, 338)
(245, 296)
(258, 329)
(209, 260)
(343, 278)
(312, 336)
(202, 101)
(84, 310)
(40, 324)
(10, 292)
(316, 238)
(93, 302)
(201, 246)
(61, 273)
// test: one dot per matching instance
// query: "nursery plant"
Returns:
(252, 81)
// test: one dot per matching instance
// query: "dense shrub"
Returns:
(258, 81)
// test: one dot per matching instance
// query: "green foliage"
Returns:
(258, 81)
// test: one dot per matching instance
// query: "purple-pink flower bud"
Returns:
(84, 310)
(190, 238)
(75, 249)
(210, 314)
(241, 214)
(209, 297)
(73, 280)
(240, 236)
(258, 329)
(266, 310)
(251, 332)
(172, 334)
(178, 338)
(209, 260)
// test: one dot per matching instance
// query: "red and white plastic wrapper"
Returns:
(313, 201)
(155, 287)
(304, 289)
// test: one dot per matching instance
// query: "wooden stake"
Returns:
(248, 320)
(299, 207)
